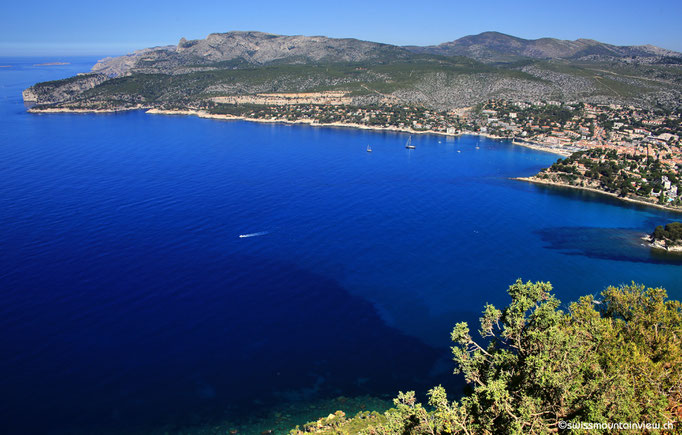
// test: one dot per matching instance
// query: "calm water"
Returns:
(129, 299)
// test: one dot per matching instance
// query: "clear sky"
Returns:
(116, 27)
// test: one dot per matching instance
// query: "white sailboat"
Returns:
(369, 148)
(409, 145)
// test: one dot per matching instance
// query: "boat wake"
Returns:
(245, 236)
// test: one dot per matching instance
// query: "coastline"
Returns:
(537, 146)
(591, 189)
(311, 122)
(655, 244)
(66, 110)
(203, 114)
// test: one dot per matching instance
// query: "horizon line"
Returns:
(123, 48)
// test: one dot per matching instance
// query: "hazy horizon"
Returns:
(106, 49)
(111, 29)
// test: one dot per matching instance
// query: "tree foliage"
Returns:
(616, 359)
(672, 232)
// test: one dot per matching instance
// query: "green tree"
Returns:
(617, 359)
(672, 232)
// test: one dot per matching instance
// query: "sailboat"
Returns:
(369, 148)
(409, 145)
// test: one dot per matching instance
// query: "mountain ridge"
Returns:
(495, 46)
(459, 73)
(254, 48)
(242, 48)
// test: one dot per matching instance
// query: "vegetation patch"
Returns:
(536, 368)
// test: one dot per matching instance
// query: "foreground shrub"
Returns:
(535, 366)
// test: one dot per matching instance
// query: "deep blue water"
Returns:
(129, 301)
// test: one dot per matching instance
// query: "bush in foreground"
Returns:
(617, 359)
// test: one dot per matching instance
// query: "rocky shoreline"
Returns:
(67, 110)
(657, 244)
(590, 189)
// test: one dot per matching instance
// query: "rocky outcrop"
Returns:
(30, 95)
(122, 65)
(235, 49)
(61, 91)
(664, 245)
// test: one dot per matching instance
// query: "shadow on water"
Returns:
(251, 334)
(594, 197)
(618, 244)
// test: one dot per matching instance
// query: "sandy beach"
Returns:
(531, 145)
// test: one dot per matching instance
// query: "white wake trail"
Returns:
(261, 233)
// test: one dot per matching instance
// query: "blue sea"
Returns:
(129, 301)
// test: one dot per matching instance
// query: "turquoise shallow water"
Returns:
(130, 301)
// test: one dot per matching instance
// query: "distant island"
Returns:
(668, 237)
(52, 63)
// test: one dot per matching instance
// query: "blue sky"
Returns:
(115, 27)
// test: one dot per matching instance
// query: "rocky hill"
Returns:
(455, 74)
(498, 47)
(62, 90)
(244, 49)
